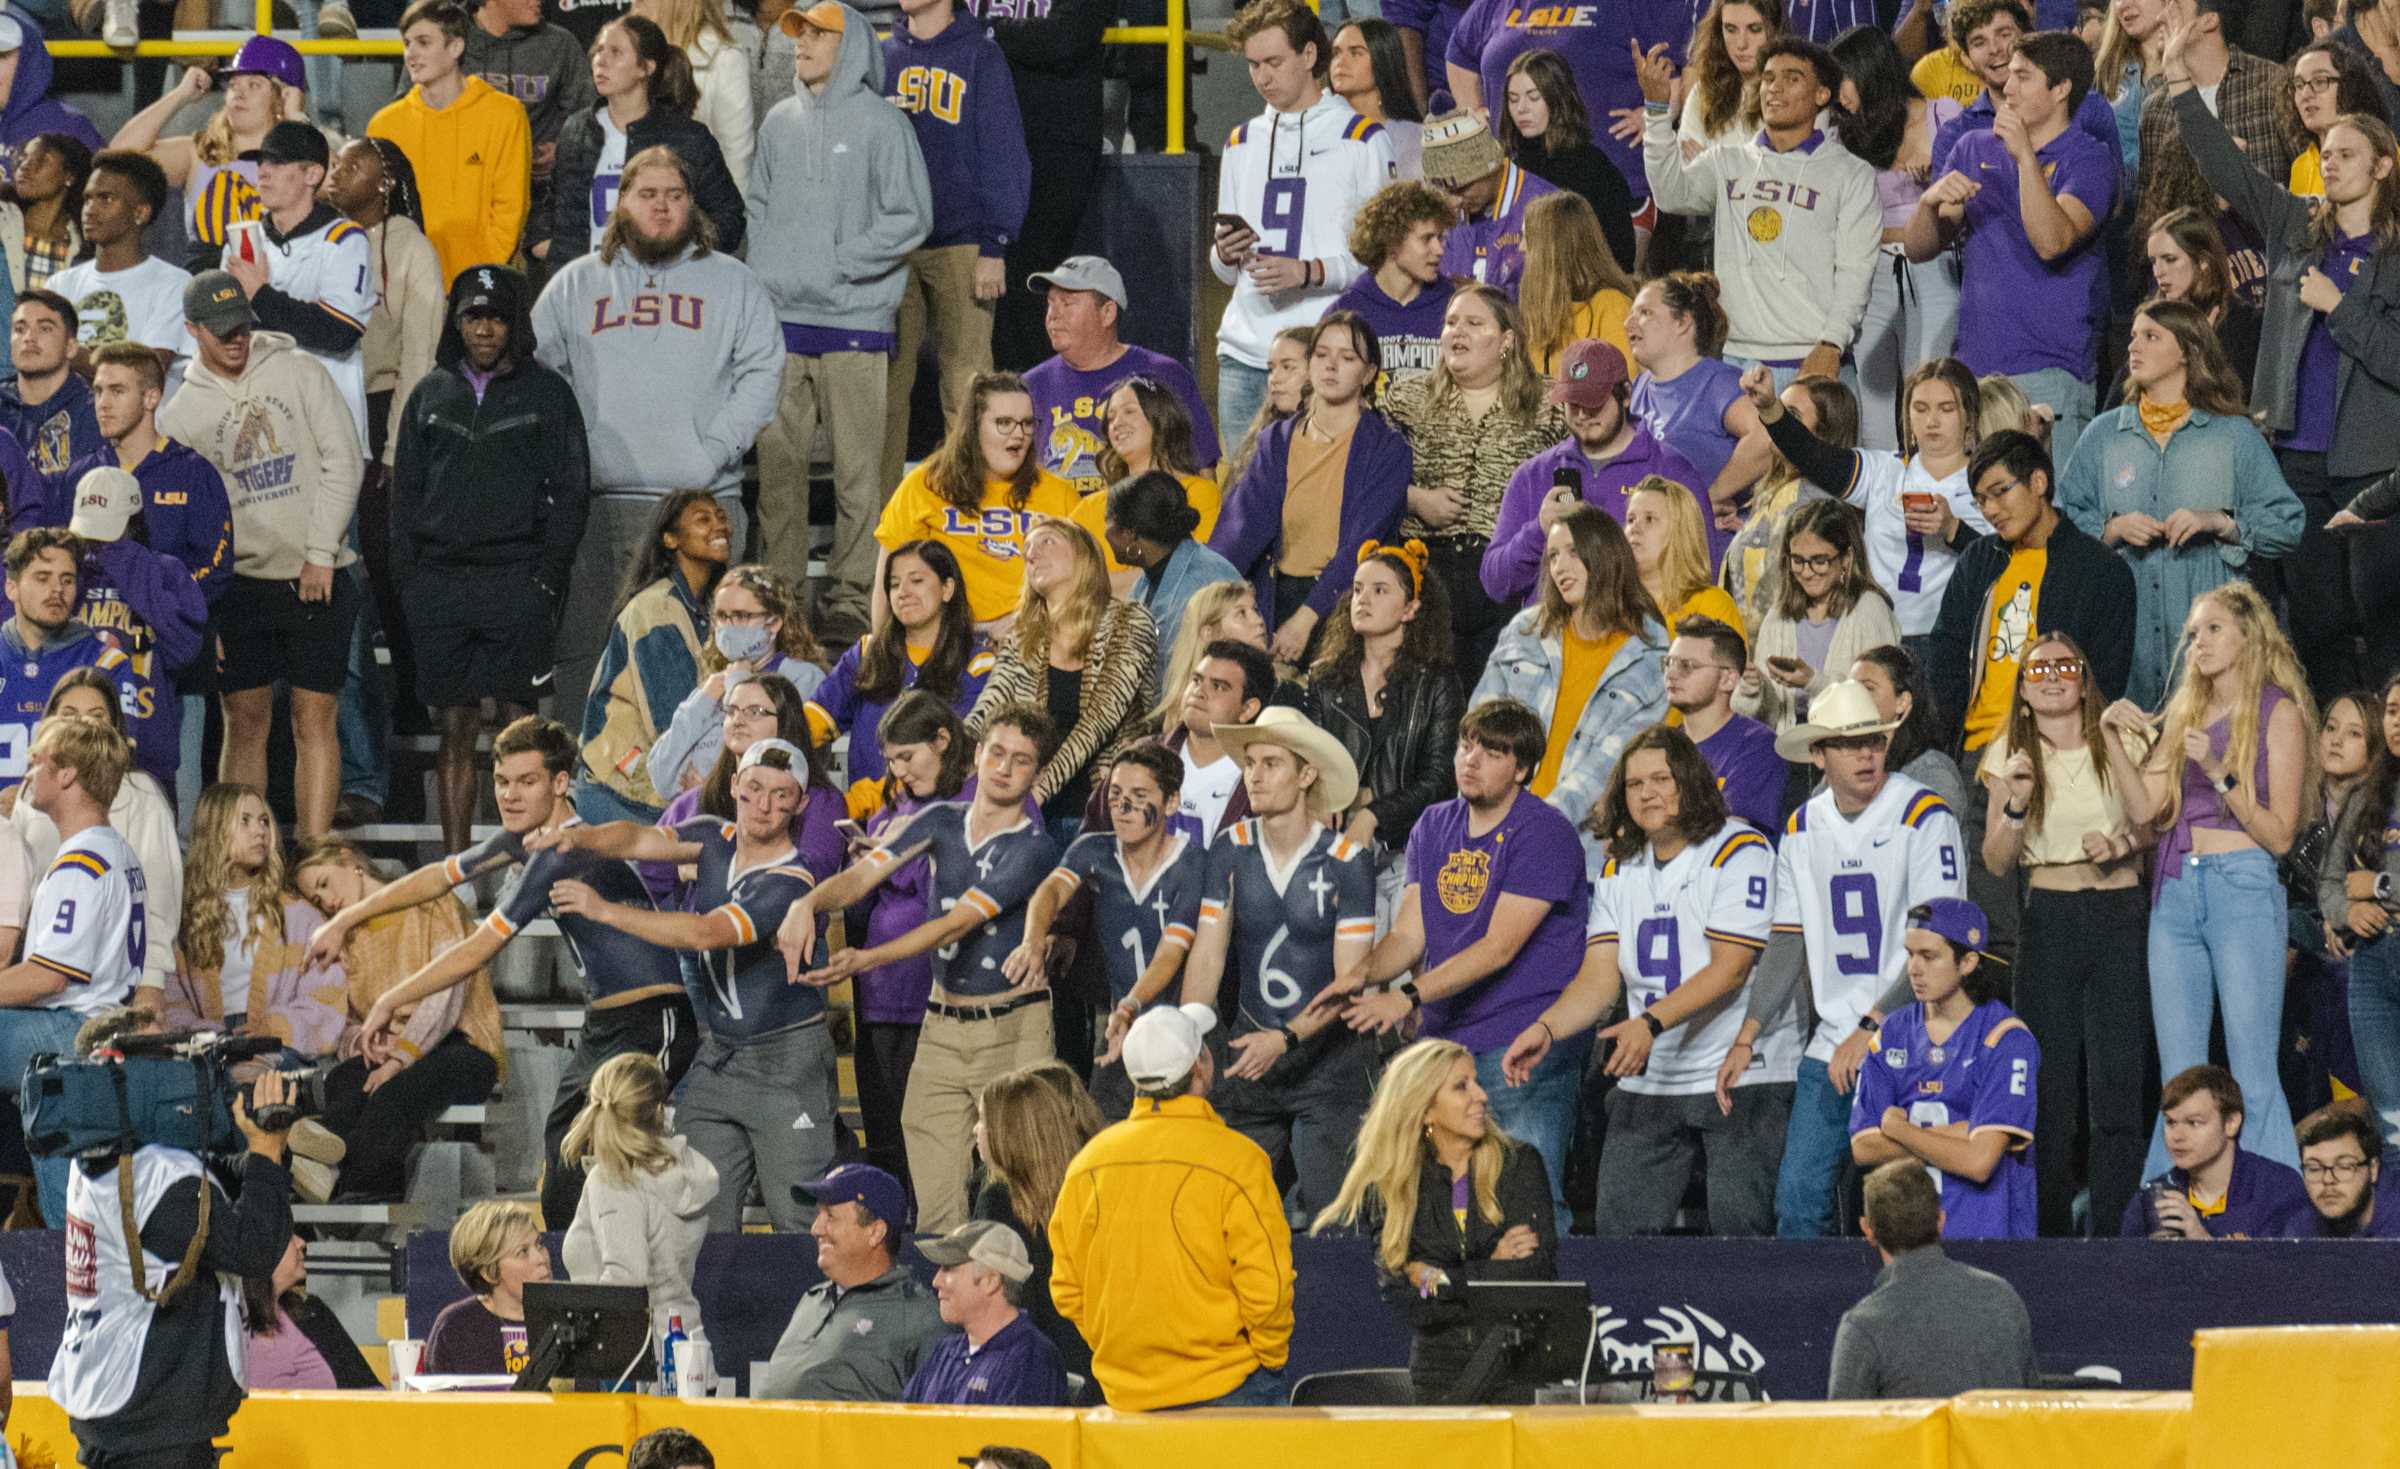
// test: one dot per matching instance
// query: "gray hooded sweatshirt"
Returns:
(646, 1230)
(838, 199)
(676, 366)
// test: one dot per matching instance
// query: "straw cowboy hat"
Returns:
(1844, 711)
(1337, 774)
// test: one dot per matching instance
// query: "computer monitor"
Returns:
(1527, 1334)
(595, 1332)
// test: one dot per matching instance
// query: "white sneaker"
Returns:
(313, 1139)
(335, 22)
(313, 1180)
(117, 26)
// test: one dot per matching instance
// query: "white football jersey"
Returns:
(1666, 922)
(1298, 179)
(1845, 886)
(1914, 569)
(332, 268)
(91, 921)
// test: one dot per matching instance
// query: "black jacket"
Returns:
(1587, 171)
(1054, 58)
(1444, 1339)
(2086, 593)
(1405, 761)
(569, 225)
(326, 1333)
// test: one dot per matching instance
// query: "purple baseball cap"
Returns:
(861, 1183)
(1955, 919)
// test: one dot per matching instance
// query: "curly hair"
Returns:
(1382, 224)
(1424, 640)
(1725, 95)
(775, 595)
(209, 877)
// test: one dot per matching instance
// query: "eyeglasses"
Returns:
(1013, 425)
(2344, 1169)
(2053, 670)
(1812, 563)
(749, 711)
(1992, 495)
(745, 619)
(2310, 86)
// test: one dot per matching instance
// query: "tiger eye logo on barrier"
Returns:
(1462, 880)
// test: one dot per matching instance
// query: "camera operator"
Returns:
(150, 1370)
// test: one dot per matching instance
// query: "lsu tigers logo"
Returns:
(1073, 453)
(1463, 879)
(256, 440)
(54, 444)
(650, 308)
(931, 89)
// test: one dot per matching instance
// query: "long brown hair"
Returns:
(1839, 525)
(918, 718)
(1567, 262)
(1725, 94)
(1700, 807)
(1171, 431)
(1032, 1130)
(2209, 382)
(956, 472)
(1612, 590)
(2381, 143)
(1042, 636)
(2195, 234)
(883, 662)
(1424, 640)
(2025, 732)
(1521, 388)
(791, 724)
(208, 874)
(1570, 124)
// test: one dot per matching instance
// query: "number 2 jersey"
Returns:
(615, 964)
(743, 993)
(993, 876)
(1846, 885)
(1666, 921)
(1984, 1074)
(1287, 919)
(1134, 925)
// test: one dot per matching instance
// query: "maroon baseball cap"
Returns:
(1589, 374)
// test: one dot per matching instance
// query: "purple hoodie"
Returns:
(31, 110)
(1512, 566)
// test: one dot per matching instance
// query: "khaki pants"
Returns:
(940, 294)
(844, 390)
(955, 1059)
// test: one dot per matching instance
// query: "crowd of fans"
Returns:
(1777, 593)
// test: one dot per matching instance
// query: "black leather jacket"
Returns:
(569, 225)
(1404, 761)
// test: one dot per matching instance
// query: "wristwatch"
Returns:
(1869, 1024)
(2227, 782)
(1407, 985)
(1656, 1029)
(1291, 1037)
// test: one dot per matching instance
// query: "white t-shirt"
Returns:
(1207, 792)
(233, 981)
(16, 877)
(90, 922)
(606, 174)
(144, 304)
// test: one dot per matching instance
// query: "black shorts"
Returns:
(270, 636)
(480, 632)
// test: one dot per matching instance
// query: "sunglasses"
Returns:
(2054, 670)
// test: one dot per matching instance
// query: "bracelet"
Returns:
(1746, 1045)
(1656, 1029)
(1291, 1037)
(1546, 1030)
(2013, 816)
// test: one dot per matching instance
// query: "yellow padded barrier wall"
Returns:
(2054, 1430)
(760, 1435)
(1899, 1435)
(2297, 1395)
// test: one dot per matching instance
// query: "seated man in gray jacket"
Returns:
(857, 1335)
(1931, 1328)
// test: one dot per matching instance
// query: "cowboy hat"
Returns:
(1337, 773)
(1843, 711)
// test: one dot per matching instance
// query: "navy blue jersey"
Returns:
(613, 961)
(744, 993)
(1285, 923)
(994, 877)
(28, 675)
(1135, 926)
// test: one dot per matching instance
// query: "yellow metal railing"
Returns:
(1173, 35)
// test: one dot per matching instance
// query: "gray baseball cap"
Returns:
(1083, 273)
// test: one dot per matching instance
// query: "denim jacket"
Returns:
(1631, 696)
(2210, 462)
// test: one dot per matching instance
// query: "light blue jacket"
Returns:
(2210, 462)
(1166, 589)
(1631, 696)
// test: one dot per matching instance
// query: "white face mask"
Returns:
(742, 644)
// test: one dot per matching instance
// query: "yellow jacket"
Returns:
(474, 164)
(1173, 1257)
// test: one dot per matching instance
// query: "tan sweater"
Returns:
(288, 449)
(407, 323)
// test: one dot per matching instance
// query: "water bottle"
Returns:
(666, 1355)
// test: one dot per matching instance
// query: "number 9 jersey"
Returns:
(90, 922)
(1846, 885)
(1286, 920)
(1666, 921)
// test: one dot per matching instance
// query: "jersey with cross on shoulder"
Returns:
(993, 876)
(1286, 917)
(1132, 924)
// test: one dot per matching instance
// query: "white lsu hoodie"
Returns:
(646, 1231)
(1798, 234)
(1321, 164)
(282, 438)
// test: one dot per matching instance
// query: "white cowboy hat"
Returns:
(1337, 773)
(1843, 711)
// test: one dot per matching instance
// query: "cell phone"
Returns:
(1918, 500)
(851, 830)
(1233, 222)
(1786, 665)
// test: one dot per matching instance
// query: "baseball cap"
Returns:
(214, 302)
(12, 33)
(860, 1183)
(1589, 374)
(1162, 1045)
(988, 1243)
(1956, 919)
(825, 15)
(290, 142)
(1459, 149)
(487, 290)
(105, 499)
(1083, 273)
(793, 763)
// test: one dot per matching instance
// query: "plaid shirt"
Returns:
(2255, 104)
(46, 258)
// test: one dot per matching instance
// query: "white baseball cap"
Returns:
(105, 500)
(1164, 1043)
(793, 763)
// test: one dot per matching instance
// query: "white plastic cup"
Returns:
(248, 239)
(694, 1367)
(407, 1355)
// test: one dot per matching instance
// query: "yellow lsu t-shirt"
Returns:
(1941, 73)
(1091, 512)
(988, 539)
(2016, 599)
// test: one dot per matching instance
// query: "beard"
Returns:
(653, 249)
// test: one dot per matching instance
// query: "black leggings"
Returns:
(885, 1054)
(379, 1129)
(2340, 587)
(2083, 989)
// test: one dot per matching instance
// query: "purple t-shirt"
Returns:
(1512, 566)
(2263, 1200)
(1749, 772)
(2017, 312)
(2320, 359)
(1688, 414)
(1492, 249)
(1410, 335)
(1592, 40)
(1070, 410)
(1982, 1075)
(1532, 853)
(1434, 20)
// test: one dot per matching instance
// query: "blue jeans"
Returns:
(1541, 1113)
(25, 1034)
(1241, 388)
(1786, 376)
(2216, 941)
(2375, 1031)
(1263, 1388)
(2066, 395)
(598, 805)
(1813, 1151)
